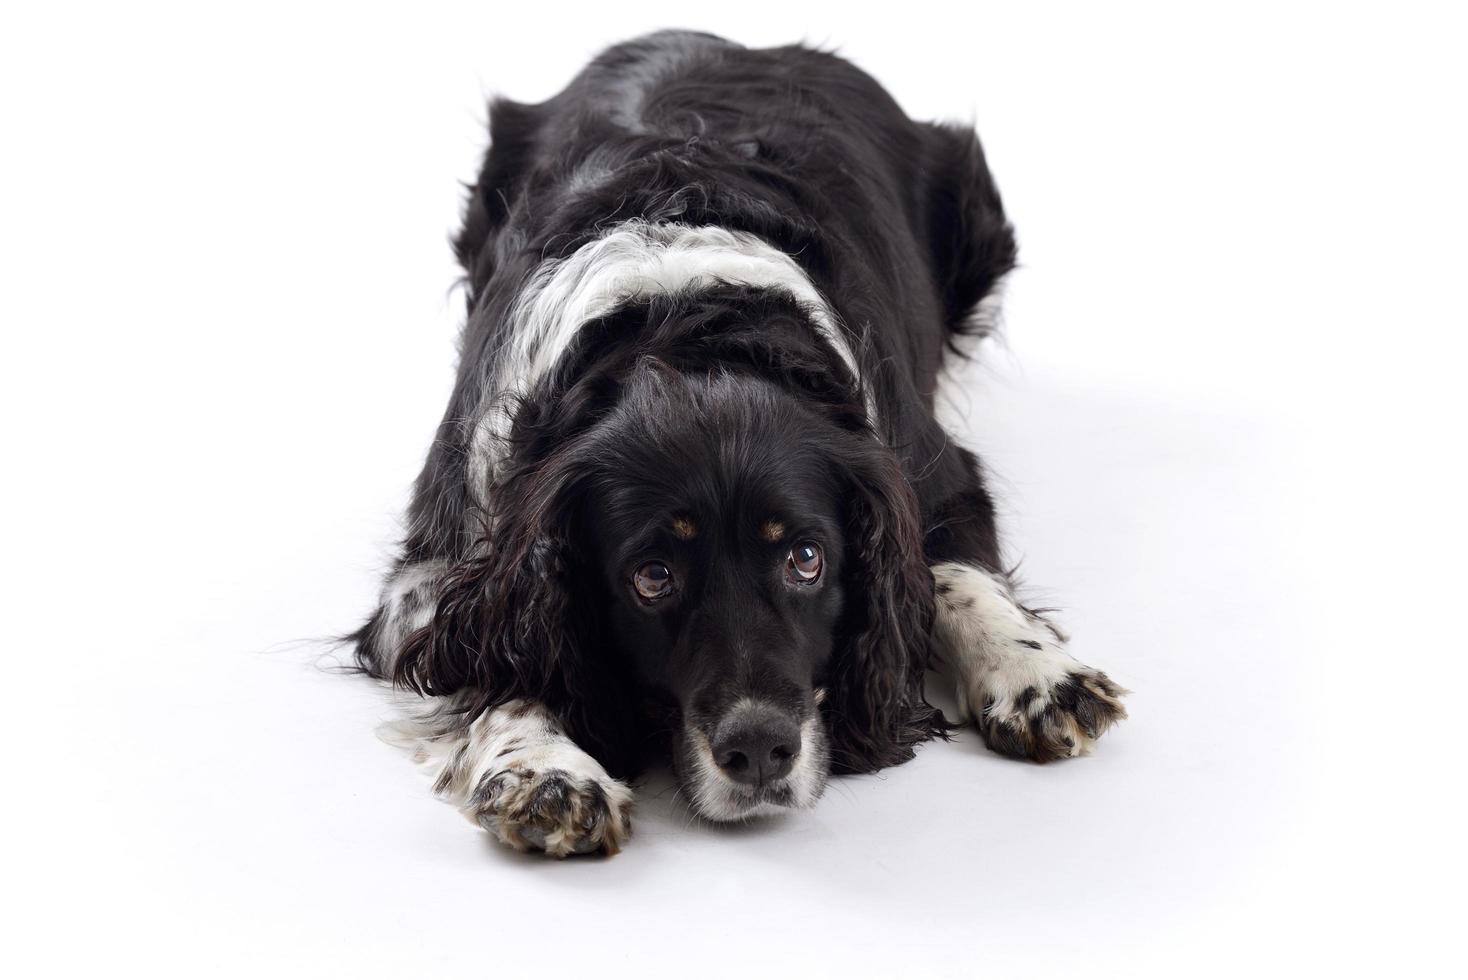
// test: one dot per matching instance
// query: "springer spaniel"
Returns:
(689, 499)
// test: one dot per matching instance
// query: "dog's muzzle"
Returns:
(757, 760)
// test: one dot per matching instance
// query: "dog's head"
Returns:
(724, 549)
(719, 535)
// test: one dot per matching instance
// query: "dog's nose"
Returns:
(757, 747)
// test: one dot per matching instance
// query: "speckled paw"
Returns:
(1058, 721)
(553, 811)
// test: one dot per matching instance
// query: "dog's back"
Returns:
(796, 145)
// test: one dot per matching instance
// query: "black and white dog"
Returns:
(689, 496)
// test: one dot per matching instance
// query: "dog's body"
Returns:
(689, 492)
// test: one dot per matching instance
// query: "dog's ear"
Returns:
(513, 128)
(513, 620)
(510, 587)
(875, 704)
(971, 241)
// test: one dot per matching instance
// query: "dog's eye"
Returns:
(653, 580)
(803, 564)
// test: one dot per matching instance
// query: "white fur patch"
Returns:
(988, 312)
(631, 261)
(516, 747)
(995, 645)
(623, 90)
(409, 597)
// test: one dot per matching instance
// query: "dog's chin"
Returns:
(716, 797)
(724, 803)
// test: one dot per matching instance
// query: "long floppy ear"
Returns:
(874, 703)
(970, 240)
(513, 129)
(512, 621)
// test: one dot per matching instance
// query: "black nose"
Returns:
(757, 746)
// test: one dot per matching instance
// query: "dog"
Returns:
(689, 499)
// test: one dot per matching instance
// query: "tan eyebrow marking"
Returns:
(772, 531)
(684, 529)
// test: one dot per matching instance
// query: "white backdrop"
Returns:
(1227, 422)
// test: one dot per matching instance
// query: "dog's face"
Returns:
(719, 534)
(751, 559)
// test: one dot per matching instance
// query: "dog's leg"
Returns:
(1029, 697)
(513, 771)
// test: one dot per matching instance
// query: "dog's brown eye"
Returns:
(803, 565)
(653, 580)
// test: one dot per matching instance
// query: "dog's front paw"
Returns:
(1026, 693)
(1049, 720)
(553, 810)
